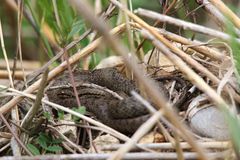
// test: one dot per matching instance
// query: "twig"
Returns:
(59, 54)
(198, 46)
(107, 129)
(185, 25)
(17, 75)
(57, 106)
(128, 156)
(192, 62)
(184, 145)
(189, 60)
(191, 75)
(26, 122)
(225, 10)
(216, 14)
(152, 110)
(80, 149)
(178, 148)
(85, 10)
(180, 53)
(73, 59)
(81, 125)
(14, 112)
(176, 50)
(30, 65)
(19, 46)
(15, 136)
(4, 147)
(5, 55)
(13, 5)
(66, 58)
(142, 130)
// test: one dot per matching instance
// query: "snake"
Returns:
(124, 114)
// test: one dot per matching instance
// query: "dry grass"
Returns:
(205, 65)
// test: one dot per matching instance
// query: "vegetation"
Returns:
(190, 46)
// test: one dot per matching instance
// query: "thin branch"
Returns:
(176, 50)
(14, 112)
(19, 45)
(128, 156)
(227, 12)
(96, 123)
(85, 10)
(142, 130)
(72, 81)
(158, 146)
(73, 59)
(185, 57)
(198, 46)
(17, 75)
(79, 148)
(35, 108)
(152, 110)
(216, 14)
(14, 135)
(59, 54)
(191, 75)
(185, 25)
(5, 55)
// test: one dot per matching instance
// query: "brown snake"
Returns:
(124, 115)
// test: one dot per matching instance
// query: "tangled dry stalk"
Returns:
(192, 69)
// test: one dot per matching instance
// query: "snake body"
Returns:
(124, 115)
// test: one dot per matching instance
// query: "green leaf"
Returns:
(81, 110)
(235, 46)
(76, 28)
(56, 141)
(234, 127)
(43, 140)
(47, 115)
(33, 149)
(54, 148)
(95, 59)
(60, 114)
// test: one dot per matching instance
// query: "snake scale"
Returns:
(123, 114)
